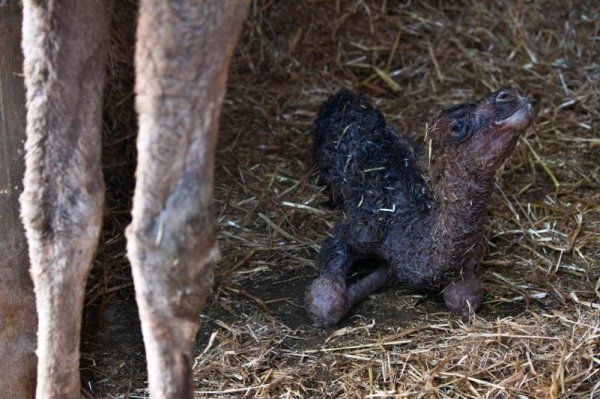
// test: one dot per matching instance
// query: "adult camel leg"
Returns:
(182, 56)
(64, 45)
(17, 303)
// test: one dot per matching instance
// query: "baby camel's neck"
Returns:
(458, 217)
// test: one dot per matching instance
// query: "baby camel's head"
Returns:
(476, 138)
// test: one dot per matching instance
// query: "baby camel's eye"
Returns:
(458, 127)
(461, 130)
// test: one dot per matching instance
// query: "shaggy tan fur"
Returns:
(183, 52)
(182, 57)
(64, 47)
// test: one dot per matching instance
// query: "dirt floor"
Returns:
(538, 333)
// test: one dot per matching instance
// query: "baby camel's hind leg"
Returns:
(182, 56)
(372, 282)
(64, 47)
(326, 299)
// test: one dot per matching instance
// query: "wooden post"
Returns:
(17, 302)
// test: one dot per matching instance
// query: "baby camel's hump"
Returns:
(371, 170)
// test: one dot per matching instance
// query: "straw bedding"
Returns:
(538, 332)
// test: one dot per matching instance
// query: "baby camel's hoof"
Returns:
(326, 301)
(464, 296)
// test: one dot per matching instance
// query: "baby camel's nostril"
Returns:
(507, 95)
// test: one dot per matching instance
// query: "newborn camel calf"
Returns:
(418, 220)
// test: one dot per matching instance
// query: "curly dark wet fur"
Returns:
(422, 220)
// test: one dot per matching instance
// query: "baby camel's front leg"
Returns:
(465, 294)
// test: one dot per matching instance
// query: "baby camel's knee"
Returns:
(464, 295)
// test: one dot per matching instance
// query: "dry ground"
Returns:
(538, 334)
